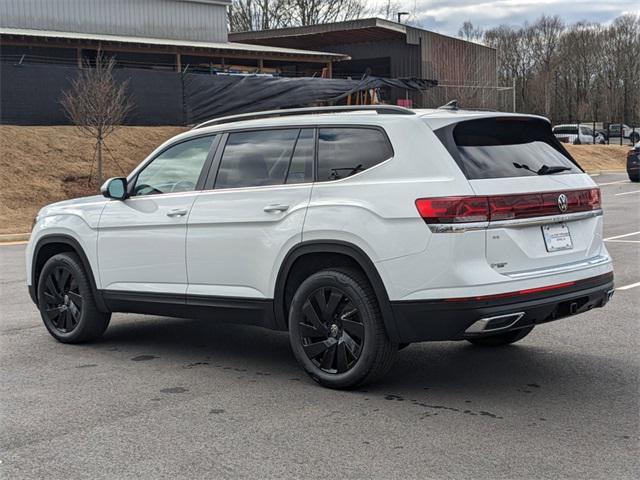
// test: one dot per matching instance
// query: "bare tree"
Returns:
(387, 9)
(97, 104)
(248, 15)
(546, 34)
(470, 33)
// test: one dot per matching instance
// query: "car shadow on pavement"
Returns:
(454, 369)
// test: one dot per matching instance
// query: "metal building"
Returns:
(158, 34)
(464, 70)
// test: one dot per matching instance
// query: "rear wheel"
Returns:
(634, 178)
(336, 330)
(66, 302)
(500, 339)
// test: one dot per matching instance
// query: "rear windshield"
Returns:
(506, 147)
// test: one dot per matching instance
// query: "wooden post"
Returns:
(79, 57)
(329, 70)
(260, 65)
(178, 62)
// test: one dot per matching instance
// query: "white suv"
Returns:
(358, 230)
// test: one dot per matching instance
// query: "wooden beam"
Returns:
(329, 68)
(178, 62)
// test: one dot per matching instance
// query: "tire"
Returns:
(336, 330)
(634, 138)
(66, 303)
(501, 339)
(634, 178)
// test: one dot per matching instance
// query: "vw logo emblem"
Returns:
(563, 202)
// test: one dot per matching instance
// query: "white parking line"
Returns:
(614, 183)
(627, 287)
(622, 236)
(623, 241)
(6, 244)
(627, 193)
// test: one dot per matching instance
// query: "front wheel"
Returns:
(66, 302)
(336, 330)
(500, 339)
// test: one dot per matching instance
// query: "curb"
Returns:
(14, 237)
(600, 172)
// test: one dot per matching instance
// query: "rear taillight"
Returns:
(453, 209)
(506, 207)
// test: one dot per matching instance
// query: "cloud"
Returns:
(446, 16)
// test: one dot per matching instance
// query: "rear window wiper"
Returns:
(543, 170)
(546, 170)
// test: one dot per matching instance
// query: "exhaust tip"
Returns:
(494, 324)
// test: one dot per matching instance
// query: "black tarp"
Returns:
(30, 94)
(208, 97)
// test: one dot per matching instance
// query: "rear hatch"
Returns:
(543, 211)
(566, 134)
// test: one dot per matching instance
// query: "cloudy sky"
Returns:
(446, 16)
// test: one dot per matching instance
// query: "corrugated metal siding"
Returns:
(454, 61)
(174, 19)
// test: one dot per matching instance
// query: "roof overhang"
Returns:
(352, 31)
(225, 49)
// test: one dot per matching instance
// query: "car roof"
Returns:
(435, 118)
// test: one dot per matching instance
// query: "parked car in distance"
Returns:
(633, 163)
(358, 230)
(576, 135)
(632, 134)
(603, 133)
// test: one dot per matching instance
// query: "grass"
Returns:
(41, 165)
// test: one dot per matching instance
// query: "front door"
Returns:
(252, 213)
(141, 240)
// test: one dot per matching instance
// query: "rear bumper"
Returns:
(432, 320)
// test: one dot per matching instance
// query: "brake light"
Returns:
(453, 209)
(506, 207)
(528, 291)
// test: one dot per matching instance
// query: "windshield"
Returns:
(506, 147)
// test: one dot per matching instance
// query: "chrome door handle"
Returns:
(178, 212)
(276, 207)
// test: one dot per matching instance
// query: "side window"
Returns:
(344, 151)
(253, 159)
(301, 167)
(177, 169)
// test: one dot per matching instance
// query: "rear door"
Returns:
(251, 213)
(545, 212)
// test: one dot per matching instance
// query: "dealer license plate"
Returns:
(557, 237)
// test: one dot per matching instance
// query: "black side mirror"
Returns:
(115, 188)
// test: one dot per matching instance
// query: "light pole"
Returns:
(400, 14)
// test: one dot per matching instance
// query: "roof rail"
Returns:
(380, 109)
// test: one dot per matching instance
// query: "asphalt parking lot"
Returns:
(169, 398)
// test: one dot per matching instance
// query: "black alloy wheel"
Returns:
(66, 300)
(336, 330)
(62, 299)
(331, 331)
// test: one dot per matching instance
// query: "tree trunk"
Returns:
(99, 160)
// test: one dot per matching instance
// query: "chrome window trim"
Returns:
(565, 217)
